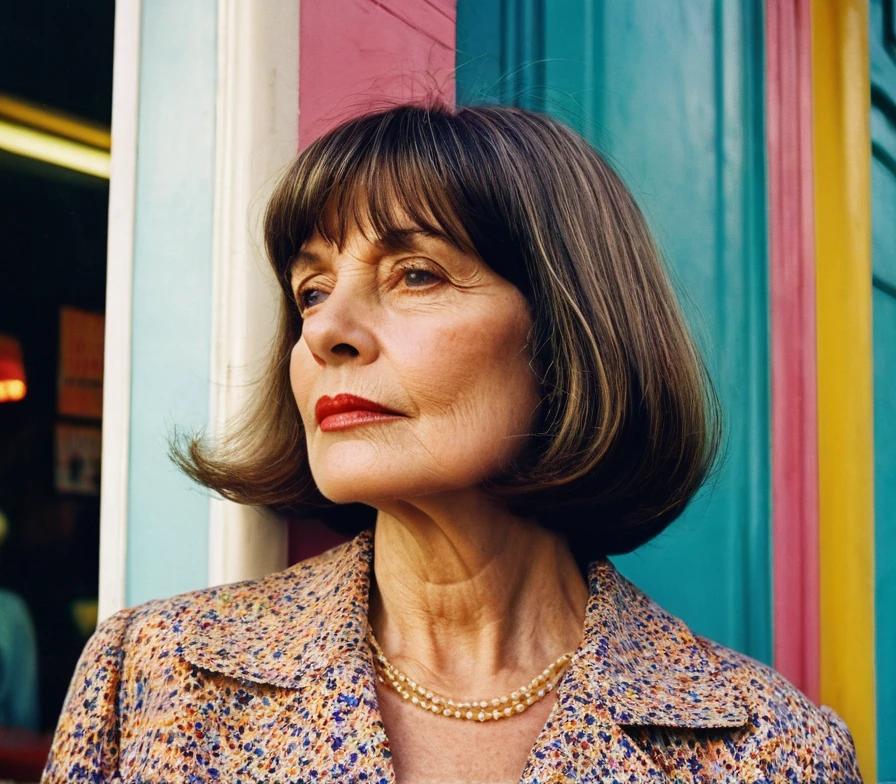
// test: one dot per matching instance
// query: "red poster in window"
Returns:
(80, 363)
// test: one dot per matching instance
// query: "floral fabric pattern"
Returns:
(271, 680)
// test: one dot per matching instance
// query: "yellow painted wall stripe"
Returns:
(842, 158)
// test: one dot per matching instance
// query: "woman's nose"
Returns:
(340, 329)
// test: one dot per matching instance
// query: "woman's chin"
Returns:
(374, 487)
(353, 488)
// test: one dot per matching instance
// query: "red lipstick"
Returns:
(345, 410)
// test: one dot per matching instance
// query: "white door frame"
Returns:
(257, 136)
(119, 274)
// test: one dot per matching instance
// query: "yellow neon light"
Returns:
(46, 147)
(54, 122)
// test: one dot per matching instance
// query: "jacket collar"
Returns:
(637, 664)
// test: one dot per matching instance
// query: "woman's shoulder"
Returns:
(784, 737)
(160, 641)
(787, 730)
(304, 579)
(213, 627)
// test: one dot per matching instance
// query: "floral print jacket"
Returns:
(271, 680)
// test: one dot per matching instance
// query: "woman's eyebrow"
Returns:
(404, 239)
(395, 241)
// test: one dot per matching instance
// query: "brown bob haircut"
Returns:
(629, 426)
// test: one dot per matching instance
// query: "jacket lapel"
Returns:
(286, 627)
(304, 628)
(646, 666)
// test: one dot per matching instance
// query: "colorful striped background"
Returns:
(812, 133)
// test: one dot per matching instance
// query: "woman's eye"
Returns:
(413, 277)
(410, 273)
(302, 298)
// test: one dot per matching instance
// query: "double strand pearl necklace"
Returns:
(475, 710)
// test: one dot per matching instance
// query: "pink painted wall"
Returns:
(794, 406)
(356, 54)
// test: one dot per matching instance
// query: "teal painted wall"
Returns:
(167, 536)
(882, 47)
(672, 93)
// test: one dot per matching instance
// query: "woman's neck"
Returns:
(472, 605)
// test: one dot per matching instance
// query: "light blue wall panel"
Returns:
(672, 93)
(167, 547)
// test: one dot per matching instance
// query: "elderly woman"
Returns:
(483, 377)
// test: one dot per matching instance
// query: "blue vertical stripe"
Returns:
(672, 94)
(167, 537)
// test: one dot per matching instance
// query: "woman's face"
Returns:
(431, 333)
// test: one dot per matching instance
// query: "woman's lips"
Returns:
(353, 418)
(346, 410)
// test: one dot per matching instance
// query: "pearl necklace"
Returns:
(475, 710)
